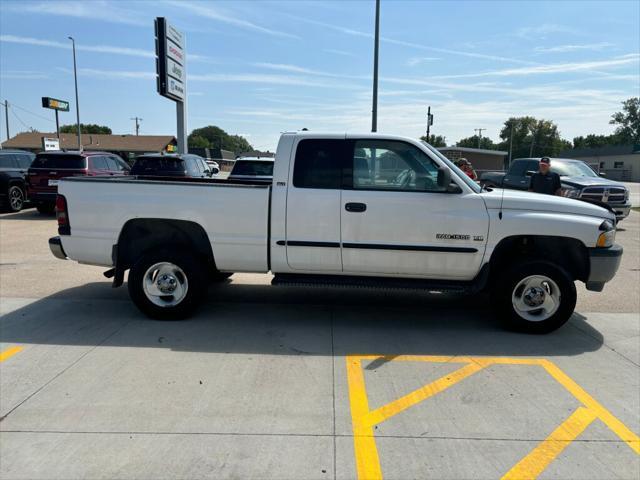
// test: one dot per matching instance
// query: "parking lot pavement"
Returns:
(634, 192)
(286, 383)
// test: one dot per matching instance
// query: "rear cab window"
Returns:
(253, 168)
(159, 166)
(58, 161)
(318, 163)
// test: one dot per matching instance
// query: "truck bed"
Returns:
(235, 216)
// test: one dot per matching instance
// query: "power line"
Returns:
(20, 120)
(30, 112)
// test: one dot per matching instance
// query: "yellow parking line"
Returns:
(366, 452)
(393, 408)
(588, 401)
(540, 457)
(9, 352)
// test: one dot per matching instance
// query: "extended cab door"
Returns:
(396, 220)
(313, 205)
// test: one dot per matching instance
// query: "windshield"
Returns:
(44, 160)
(572, 169)
(158, 166)
(252, 167)
(461, 175)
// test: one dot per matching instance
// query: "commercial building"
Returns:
(618, 162)
(481, 159)
(127, 146)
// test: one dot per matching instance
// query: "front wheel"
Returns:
(167, 285)
(535, 297)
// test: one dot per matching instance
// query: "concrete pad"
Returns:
(196, 376)
(134, 456)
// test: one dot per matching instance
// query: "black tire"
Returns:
(46, 208)
(220, 276)
(195, 277)
(15, 198)
(505, 289)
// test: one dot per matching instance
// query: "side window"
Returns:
(318, 164)
(190, 163)
(113, 164)
(393, 165)
(532, 166)
(24, 161)
(518, 168)
(99, 163)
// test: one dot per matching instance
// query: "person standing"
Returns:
(544, 180)
(466, 167)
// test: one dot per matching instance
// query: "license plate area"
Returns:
(53, 183)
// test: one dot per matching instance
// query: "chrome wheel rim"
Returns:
(165, 284)
(16, 198)
(536, 298)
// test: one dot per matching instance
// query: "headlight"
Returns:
(608, 235)
(569, 192)
(626, 194)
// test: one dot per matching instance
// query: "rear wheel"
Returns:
(535, 297)
(167, 285)
(15, 198)
(46, 208)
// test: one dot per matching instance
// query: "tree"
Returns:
(595, 141)
(435, 140)
(215, 137)
(532, 137)
(628, 121)
(472, 142)
(86, 128)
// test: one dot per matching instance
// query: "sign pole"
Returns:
(57, 125)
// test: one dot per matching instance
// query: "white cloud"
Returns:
(542, 31)
(413, 61)
(208, 11)
(109, 49)
(265, 79)
(573, 48)
(94, 10)
(23, 75)
(113, 74)
(338, 52)
(306, 71)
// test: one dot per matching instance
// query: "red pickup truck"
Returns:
(49, 167)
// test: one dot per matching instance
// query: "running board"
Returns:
(299, 280)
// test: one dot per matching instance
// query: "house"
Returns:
(127, 146)
(618, 162)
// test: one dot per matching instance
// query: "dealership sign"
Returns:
(49, 144)
(55, 104)
(170, 60)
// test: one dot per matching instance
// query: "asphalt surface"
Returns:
(290, 383)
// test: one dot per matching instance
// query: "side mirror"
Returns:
(215, 171)
(602, 174)
(530, 173)
(444, 177)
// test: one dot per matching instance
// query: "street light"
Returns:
(75, 78)
(374, 109)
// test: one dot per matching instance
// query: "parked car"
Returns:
(171, 165)
(253, 168)
(13, 187)
(578, 179)
(49, 167)
(325, 222)
(213, 166)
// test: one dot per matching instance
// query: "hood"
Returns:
(591, 182)
(519, 200)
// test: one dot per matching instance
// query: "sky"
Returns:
(258, 68)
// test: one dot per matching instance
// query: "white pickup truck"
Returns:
(369, 210)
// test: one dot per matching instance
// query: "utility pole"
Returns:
(429, 122)
(137, 119)
(6, 116)
(479, 130)
(75, 78)
(374, 110)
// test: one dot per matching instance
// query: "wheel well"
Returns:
(141, 235)
(19, 183)
(569, 253)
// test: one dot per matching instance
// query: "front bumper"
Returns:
(604, 265)
(621, 211)
(55, 245)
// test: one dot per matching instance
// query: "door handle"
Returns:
(355, 207)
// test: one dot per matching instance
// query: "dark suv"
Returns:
(49, 167)
(13, 188)
(173, 165)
